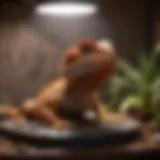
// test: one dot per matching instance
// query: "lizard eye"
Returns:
(87, 49)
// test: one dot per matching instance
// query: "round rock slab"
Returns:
(83, 136)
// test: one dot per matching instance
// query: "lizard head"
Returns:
(89, 61)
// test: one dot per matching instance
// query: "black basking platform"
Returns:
(82, 136)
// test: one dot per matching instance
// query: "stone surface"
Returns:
(110, 134)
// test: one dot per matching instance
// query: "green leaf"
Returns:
(129, 102)
(128, 71)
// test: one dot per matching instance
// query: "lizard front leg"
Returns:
(105, 116)
(48, 115)
(98, 107)
(102, 113)
(43, 113)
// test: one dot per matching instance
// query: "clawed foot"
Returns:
(15, 115)
(62, 125)
(112, 118)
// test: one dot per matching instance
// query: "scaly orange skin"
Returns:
(71, 93)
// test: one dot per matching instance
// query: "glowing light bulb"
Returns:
(67, 9)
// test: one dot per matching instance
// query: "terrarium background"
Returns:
(31, 45)
(157, 23)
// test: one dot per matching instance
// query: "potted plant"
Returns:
(136, 91)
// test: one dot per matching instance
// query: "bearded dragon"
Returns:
(84, 68)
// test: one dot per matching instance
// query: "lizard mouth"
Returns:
(91, 64)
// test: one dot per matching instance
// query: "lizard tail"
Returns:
(17, 112)
(9, 111)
